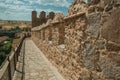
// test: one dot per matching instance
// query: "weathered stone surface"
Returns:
(113, 2)
(115, 57)
(58, 17)
(93, 27)
(103, 3)
(112, 47)
(95, 1)
(91, 42)
(111, 28)
(6, 75)
(48, 22)
(91, 9)
(78, 6)
(100, 44)
(108, 7)
(109, 68)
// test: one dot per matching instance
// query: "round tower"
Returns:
(34, 17)
(51, 15)
(42, 14)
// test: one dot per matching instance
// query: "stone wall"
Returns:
(85, 45)
(36, 21)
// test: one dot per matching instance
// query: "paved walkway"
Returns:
(36, 65)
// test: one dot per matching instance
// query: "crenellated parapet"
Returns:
(42, 19)
(85, 44)
(51, 15)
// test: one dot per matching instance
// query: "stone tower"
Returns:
(51, 15)
(42, 15)
(34, 17)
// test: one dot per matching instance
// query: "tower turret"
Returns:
(51, 15)
(34, 17)
(42, 15)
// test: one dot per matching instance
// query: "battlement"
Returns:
(36, 21)
(85, 44)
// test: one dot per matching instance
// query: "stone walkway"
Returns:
(35, 66)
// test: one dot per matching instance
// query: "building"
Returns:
(36, 21)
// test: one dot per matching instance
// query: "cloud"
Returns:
(62, 3)
(21, 9)
(58, 3)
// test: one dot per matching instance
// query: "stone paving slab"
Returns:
(37, 66)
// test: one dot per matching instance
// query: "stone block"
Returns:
(91, 9)
(95, 1)
(100, 44)
(109, 68)
(112, 47)
(93, 27)
(88, 56)
(111, 28)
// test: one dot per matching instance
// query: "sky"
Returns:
(21, 9)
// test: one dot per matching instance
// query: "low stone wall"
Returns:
(9, 66)
(76, 47)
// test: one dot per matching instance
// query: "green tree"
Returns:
(2, 57)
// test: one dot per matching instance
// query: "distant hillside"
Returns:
(6, 24)
(0, 19)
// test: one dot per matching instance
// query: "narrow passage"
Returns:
(36, 65)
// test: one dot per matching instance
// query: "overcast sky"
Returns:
(21, 9)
